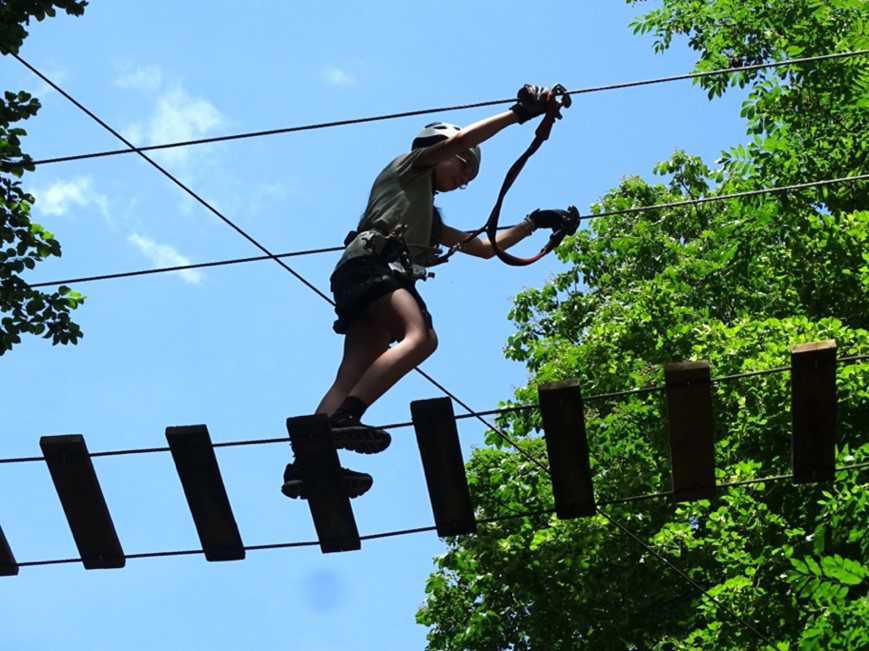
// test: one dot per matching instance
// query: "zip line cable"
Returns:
(299, 277)
(269, 253)
(327, 299)
(248, 237)
(725, 197)
(492, 412)
(477, 415)
(457, 107)
(200, 265)
(685, 577)
(651, 550)
(404, 532)
(334, 249)
(173, 178)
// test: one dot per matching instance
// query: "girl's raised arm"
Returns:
(532, 102)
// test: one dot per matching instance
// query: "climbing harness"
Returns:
(393, 250)
(553, 112)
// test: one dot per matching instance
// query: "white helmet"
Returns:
(437, 131)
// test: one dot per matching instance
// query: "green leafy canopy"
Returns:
(23, 309)
(737, 283)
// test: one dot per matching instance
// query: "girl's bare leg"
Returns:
(397, 313)
(366, 340)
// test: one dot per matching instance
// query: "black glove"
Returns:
(554, 219)
(531, 102)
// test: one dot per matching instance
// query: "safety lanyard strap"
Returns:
(541, 134)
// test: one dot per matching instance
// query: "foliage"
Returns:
(24, 243)
(737, 283)
(791, 144)
(15, 14)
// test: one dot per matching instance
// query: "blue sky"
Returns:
(241, 348)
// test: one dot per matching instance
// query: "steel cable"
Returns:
(334, 249)
(472, 414)
(457, 107)
(418, 370)
(404, 532)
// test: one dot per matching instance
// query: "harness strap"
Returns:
(541, 134)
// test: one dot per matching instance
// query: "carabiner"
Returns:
(566, 100)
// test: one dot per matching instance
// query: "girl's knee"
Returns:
(422, 342)
(428, 344)
(431, 342)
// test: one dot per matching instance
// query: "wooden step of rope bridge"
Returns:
(689, 419)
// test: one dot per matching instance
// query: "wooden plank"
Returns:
(563, 417)
(441, 454)
(690, 427)
(8, 564)
(813, 411)
(83, 503)
(203, 485)
(321, 472)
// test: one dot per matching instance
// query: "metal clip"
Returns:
(566, 100)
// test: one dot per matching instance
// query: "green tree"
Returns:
(736, 283)
(23, 243)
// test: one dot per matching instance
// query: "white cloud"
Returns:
(336, 76)
(134, 133)
(58, 198)
(163, 255)
(177, 116)
(180, 116)
(144, 78)
(174, 114)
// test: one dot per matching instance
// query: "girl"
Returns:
(374, 282)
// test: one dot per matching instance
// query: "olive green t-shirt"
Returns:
(401, 199)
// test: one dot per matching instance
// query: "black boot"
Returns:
(350, 434)
(355, 483)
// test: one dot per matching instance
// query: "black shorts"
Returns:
(359, 282)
